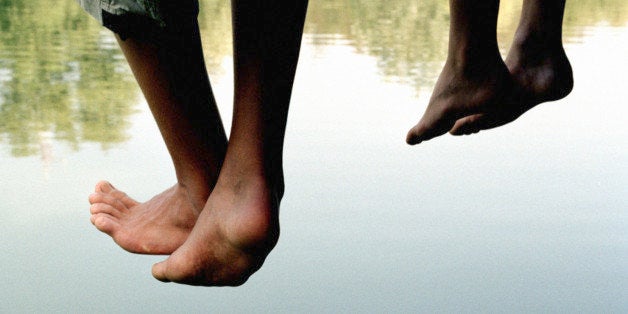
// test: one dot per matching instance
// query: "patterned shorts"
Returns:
(142, 18)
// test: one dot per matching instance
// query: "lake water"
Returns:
(531, 217)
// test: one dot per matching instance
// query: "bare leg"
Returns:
(240, 225)
(537, 62)
(474, 78)
(174, 81)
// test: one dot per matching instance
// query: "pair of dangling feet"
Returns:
(220, 234)
(214, 240)
(474, 95)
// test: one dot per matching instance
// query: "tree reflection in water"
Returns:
(63, 78)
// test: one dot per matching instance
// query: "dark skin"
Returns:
(476, 89)
(238, 223)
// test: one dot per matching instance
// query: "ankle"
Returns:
(464, 59)
(536, 41)
(250, 200)
(243, 172)
(197, 192)
(474, 69)
(238, 182)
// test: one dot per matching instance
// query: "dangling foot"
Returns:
(158, 226)
(461, 91)
(542, 72)
(235, 232)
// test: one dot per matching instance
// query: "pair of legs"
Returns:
(220, 220)
(476, 89)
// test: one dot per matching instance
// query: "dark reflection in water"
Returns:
(63, 77)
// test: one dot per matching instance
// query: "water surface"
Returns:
(529, 217)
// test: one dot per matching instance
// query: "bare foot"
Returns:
(158, 226)
(542, 72)
(463, 91)
(236, 230)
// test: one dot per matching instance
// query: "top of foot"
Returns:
(158, 226)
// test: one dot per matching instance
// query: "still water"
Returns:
(531, 217)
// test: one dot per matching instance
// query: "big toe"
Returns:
(426, 129)
(160, 272)
(175, 269)
(416, 134)
(185, 269)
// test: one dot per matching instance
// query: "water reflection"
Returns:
(529, 219)
(63, 78)
(409, 38)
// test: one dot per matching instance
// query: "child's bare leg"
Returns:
(537, 62)
(239, 225)
(173, 79)
(474, 78)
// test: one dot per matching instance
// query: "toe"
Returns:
(467, 125)
(421, 132)
(178, 269)
(104, 186)
(159, 271)
(123, 198)
(93, 198)
(105, 223)
(97, 198)
(414, 136)
(436, 121)
(427, 129)
(103, 208)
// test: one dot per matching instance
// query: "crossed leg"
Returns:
(239, 224)
(476, 89)
(174, 81)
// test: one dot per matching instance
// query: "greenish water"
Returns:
(531, 217)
